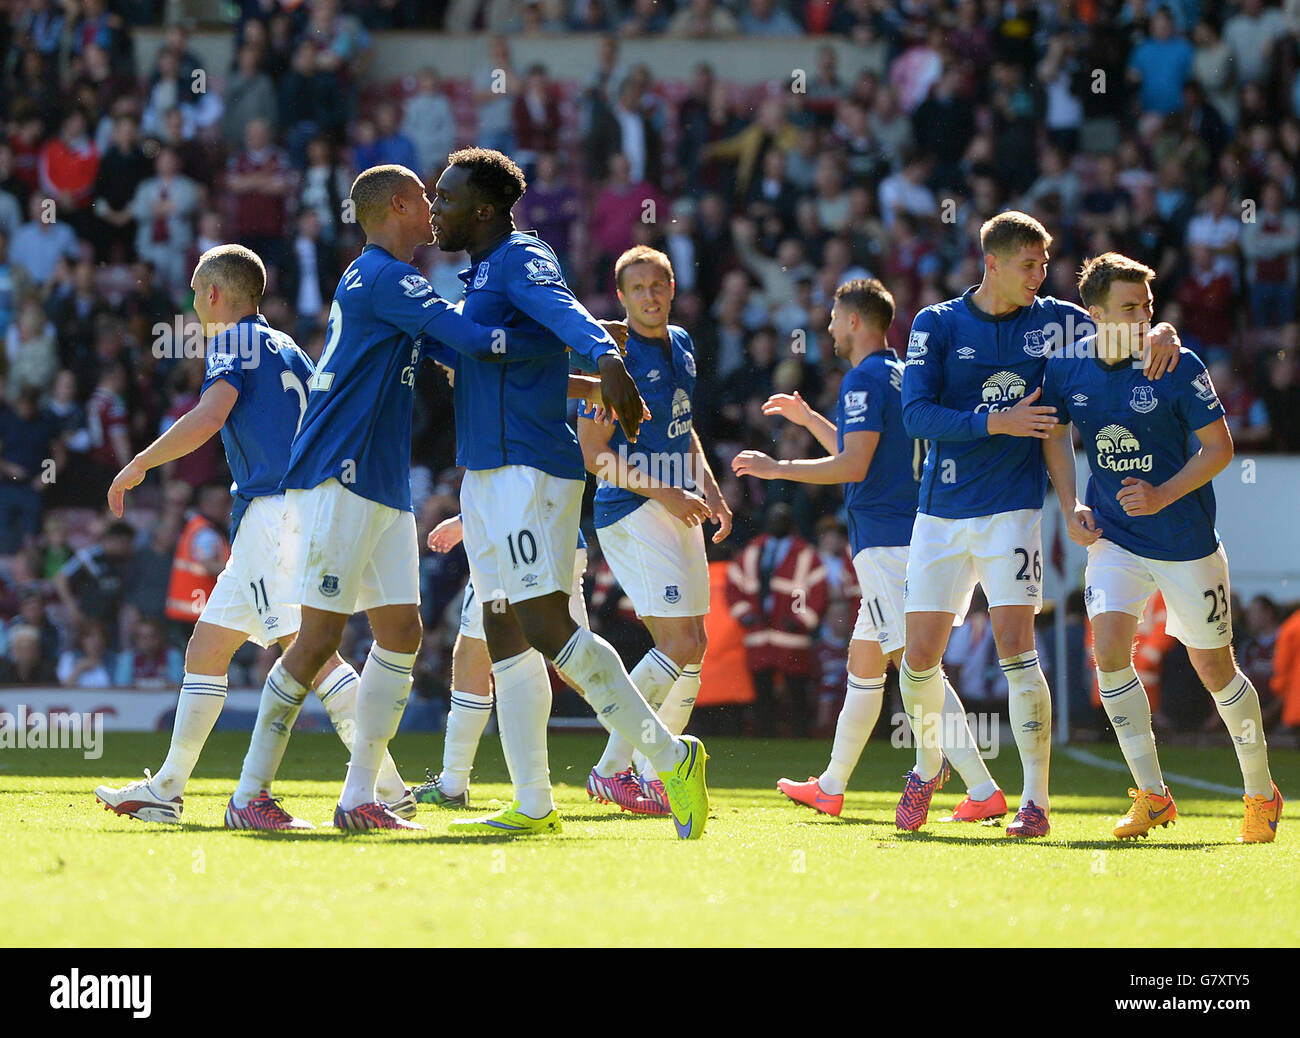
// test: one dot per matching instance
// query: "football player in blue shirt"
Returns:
(1148, 524)
(520, 499)
(971, 387)
(652, 498)
(349, 541)
(879, 465)
(254, 393)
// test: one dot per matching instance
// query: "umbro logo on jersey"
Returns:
(653, 375)
(481, 275)
(1079, 399)
(966, 353)
(672, 594)
(329, 585)
(1143, 400)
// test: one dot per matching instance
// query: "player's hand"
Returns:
(618, 332)
(619, 394)
(128, 479)
(721, 514)
(449, 372)
(602, 417)
(1138, 497)
(684, 505)
(754, 463)
(1082, 526)
(1160, 350)
(1025, 419)
(792, 408)
(446, 535)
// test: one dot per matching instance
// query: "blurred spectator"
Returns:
(204, 464)
(30, 359)
(110, 444)
(1208, 301)
(325, 184)
(1247, 415)
(427, 120)
(551, 206)
(201, 555)
(90, 585)
(249, 95)
(1268, 246)
(1281, 396)
(1249, 35)
(148, 662)
(32, 614)
(89, 664)
(620, 206)
(777, 590)
(702, 18)
(68, 166)
(1286, 669)
(40, 243)
(258, 177)
(772, 129)
(74, 314)
(495, 88)
(621, 129)
(307, 103)
(310, 275)
(150, 570)
(1160, 65)
(164, 208)
(768, 18)
(26, 664)
(1216, 228)
(28, 447)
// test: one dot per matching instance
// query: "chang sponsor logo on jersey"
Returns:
(681, 423)
(1001, 390)
(1118, 450)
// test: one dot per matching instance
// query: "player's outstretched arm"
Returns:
(708, 484)
(1058, 453)
(191, 431)
(794, 408)
(613, 467)
(1138, 497)
(847, 466)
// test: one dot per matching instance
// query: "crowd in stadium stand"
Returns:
(1167, 130)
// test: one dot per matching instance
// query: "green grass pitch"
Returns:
(766, 873)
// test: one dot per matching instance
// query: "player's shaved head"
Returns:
(373, 190)
(642, 254)
(492, 177)
(1099, 273)
(236, 271)
(1007, 233)
(869, 299)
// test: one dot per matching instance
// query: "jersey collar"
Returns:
(1010, 315)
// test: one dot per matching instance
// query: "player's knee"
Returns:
(922, 656)
(547, 633)
(403, 636)
(1215, 668)
(1113, 657)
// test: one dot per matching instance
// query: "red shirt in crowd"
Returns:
(259, 213)
(104, 413)
(70, 170)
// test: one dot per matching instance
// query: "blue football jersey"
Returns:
(881, 508)
(383, 320)
(1131, 426)
(963, 364)
(516, 413)
(270, 373)
(665, 374)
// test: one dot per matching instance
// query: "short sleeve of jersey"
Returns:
(1197, 401)
(862, 405)
(399, 296)
(534, 283)
(224, 363)
(1053, 395)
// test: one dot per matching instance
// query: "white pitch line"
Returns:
(1086, 757)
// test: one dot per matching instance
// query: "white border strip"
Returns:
(1086, 757)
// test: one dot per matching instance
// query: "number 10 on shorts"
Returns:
(523, 548)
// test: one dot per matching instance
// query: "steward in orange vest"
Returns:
(201, 555)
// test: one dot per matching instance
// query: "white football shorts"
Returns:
(241, 601)
(520, 527)
(1197, 593)
(344, 553)
(1003, 553)
(881, 575)
(658, 561)
(471, 616)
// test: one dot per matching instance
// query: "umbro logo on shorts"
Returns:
(671, 593)
(1032, 589)
(329, 585)
(272, 621)
(530, 579)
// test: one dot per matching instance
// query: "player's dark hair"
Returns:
(641, 254)
(373, 190)
(1009, 232)
(1099, 273)
(493, 176)
(869, 299)
(235, 270)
